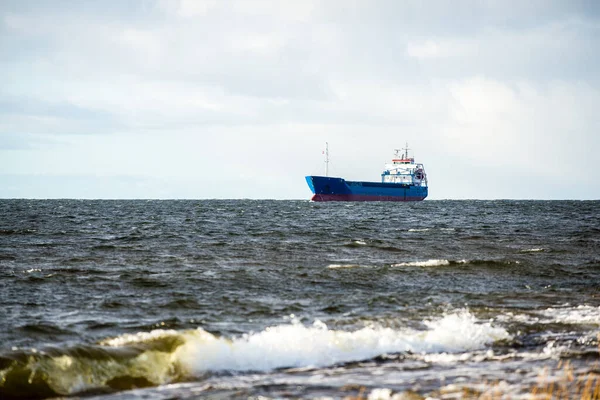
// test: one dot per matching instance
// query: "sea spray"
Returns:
(298, 345)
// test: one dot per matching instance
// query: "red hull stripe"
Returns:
(362, 197)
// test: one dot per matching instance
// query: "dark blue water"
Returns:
(188, 299)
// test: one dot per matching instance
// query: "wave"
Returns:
(373, 244)
(534, 250)
(356, 243)
(341, 266)
(489, 262)
(17, 231)
(427, 263)
(573, 315)
(165, 356)
(428, 229)
(582, 314)
(444, 262)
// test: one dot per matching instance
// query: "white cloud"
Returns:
(187, 8)
(260, 43)
(284, 10)
(432, 49)
(143, 41)
(537, 131)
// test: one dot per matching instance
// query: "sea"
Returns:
(265, 299)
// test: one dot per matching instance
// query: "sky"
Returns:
(203, 99)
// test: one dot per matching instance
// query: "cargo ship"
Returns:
(402, 180)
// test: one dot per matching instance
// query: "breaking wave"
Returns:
(582, 314)
(533, 250)
(428, 263)
(164, 356)
(342, 266)
(444, 262)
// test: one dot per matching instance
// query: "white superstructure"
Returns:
(404, 170)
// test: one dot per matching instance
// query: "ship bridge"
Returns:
(404, 170)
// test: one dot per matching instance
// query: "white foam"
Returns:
(140, 337)
(380, 394)
(210, 274)
(418, 230)
(534, 250)
(461, 331)
(521, 318)
(453, 358)
(337, 266)
(428, 263)
(554, 350)
(582, 314)
(297, 345)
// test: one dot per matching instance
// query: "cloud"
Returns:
(524, 130)
(431, 49)
(294, 11)
(189, 8)
(173, 88)
(26, 116)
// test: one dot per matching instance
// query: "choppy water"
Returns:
(221, 299)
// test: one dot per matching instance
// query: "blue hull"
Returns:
(338, 189)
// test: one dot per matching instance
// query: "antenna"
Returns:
(406, 149)
(326, 159)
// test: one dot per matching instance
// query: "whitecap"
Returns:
(582, 314)
(210, 273)
(428, 263)
(297, 345)
(380, 394)
(534, 250)
(140, 337)
(339, 266)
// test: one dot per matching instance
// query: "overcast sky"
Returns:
(236, 99)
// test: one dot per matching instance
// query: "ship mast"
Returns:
(406, 149)
(326, 159)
